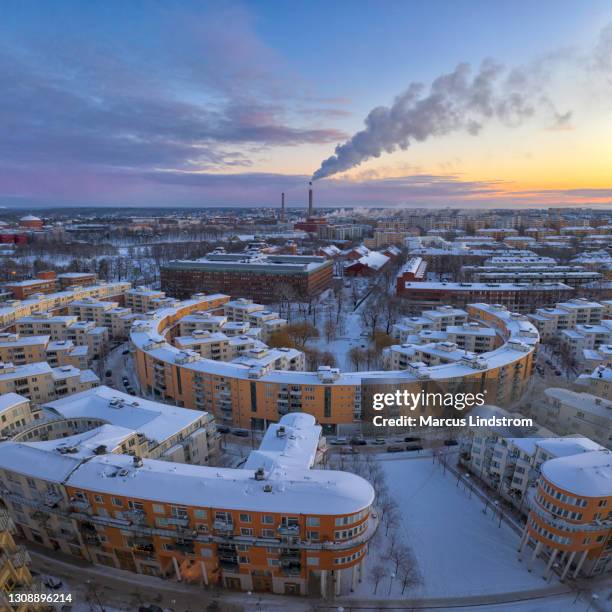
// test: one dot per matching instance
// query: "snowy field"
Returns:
(459, 550)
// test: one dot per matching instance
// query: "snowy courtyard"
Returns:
(459, 550)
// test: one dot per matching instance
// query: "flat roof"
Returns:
(155, 420)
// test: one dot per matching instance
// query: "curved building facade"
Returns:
(252, 395)
(570, 519)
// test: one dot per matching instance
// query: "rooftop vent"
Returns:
(259, 474)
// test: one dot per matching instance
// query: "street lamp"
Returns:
(555, 567)
(391, 582)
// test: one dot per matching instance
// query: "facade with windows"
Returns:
(277, 524)
(570, 518)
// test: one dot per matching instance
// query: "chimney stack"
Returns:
(282, 216)
(310, 209)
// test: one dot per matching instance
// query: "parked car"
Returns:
(339, 441)
(450, 442)
(394, 449)
(379, 440)
(224, 429)
(241, 433)
(414, 447)
(412, 439)
(358, 441)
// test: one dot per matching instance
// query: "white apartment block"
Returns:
(21, 350)
(244, 310)
(473, 337)
(580, 341)
(216, 345)
(140, 299)
(568, 412)
(40, 383)
(509, 460)
(438, 319)
(553, 320)
(15, 414)
(66, 328)
(104, 314)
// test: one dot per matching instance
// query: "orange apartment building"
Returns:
(252, 397)
(570, 519)
(278, 524)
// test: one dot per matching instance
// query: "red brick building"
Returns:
(518, 297)
(255, 276)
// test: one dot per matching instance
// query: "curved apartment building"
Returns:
(570, 519)
(274, 525)
(252, 395)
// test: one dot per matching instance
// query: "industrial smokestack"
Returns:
(310, 209)
(282, 216)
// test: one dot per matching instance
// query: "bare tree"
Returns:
(329, 328)
(356, 356)
(376, 575)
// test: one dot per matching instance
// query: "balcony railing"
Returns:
(558, 522)
(140, 530)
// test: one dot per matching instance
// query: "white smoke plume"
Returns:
(457, 101)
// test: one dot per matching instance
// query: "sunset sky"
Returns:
(161, 103)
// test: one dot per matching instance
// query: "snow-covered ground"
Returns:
(459, 550)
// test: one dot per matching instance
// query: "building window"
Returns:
(327, 406)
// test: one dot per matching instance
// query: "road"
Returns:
(100, 586)
(120, 365)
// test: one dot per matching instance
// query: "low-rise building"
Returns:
(568, 412)
(40, 383)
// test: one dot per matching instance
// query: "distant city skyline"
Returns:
(228, 104)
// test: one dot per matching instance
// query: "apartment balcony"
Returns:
(137, 517)
(223, 526)
(289, 529)
(81, 506)
(20, 558)
(293, 569)
(558, 522)
(290, 556)
(185, 547)
(6, 523)
(180, 522)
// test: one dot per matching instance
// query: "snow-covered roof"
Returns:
(155, 420)
(586, 474)
(10, 400)
(290, 443)
(294, 491)
(581, 401)
(85, 445)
